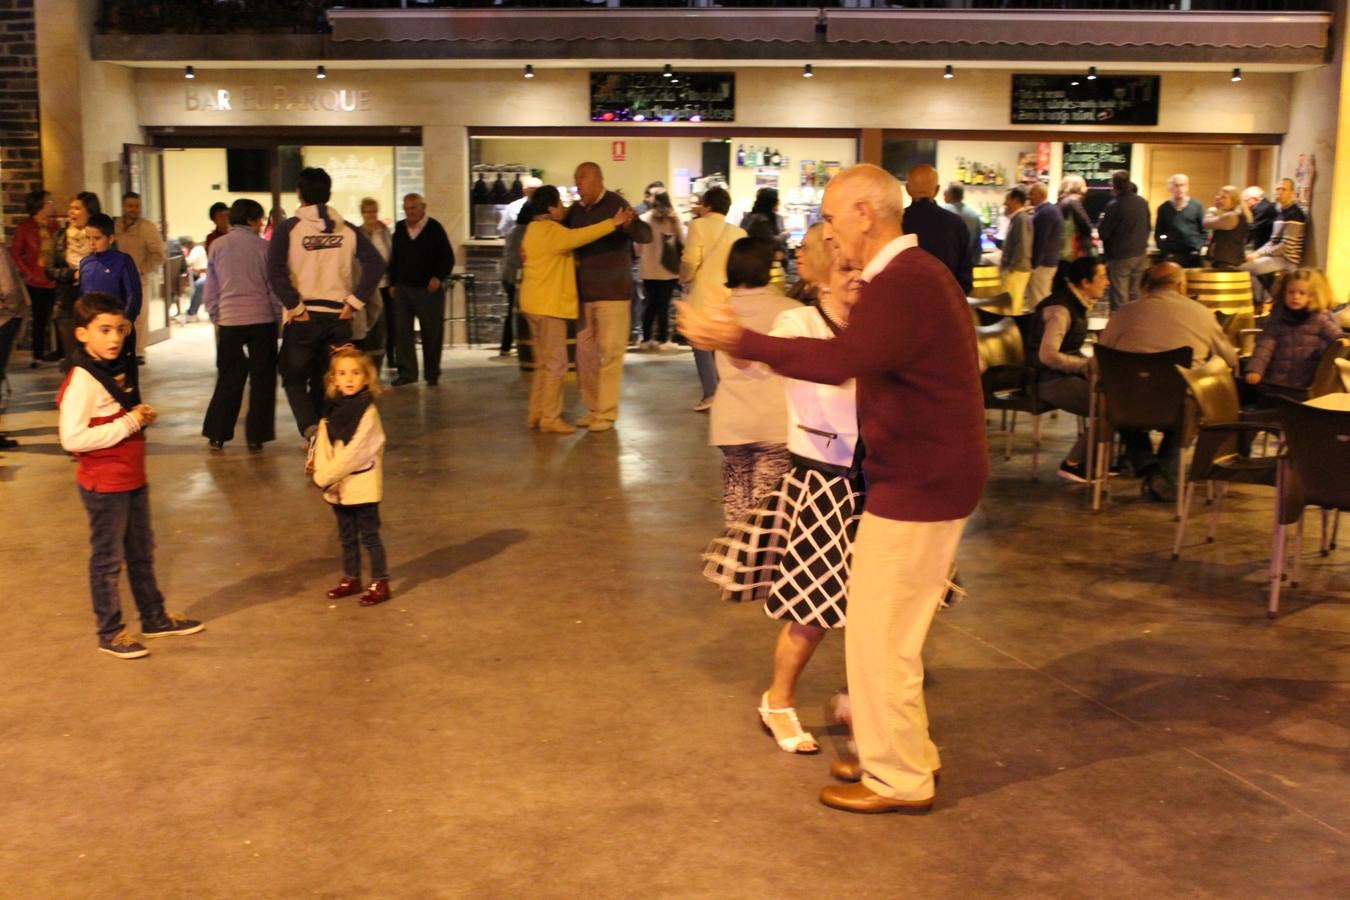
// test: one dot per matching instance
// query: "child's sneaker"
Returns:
(121, 645)
(172, 624)
(377, 593)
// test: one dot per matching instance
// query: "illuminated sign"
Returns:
(277, 98)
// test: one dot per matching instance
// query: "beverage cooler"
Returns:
(493, 188)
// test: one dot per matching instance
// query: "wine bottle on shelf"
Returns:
(498, 192)
(740, 154)
(961, 174)
(775, 158)
(480, 193)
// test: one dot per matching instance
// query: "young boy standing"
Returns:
(102, 423)
(108, 270)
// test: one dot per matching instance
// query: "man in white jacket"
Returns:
(311, 266)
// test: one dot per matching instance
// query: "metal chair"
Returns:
(987, 282)
(988, 310)
(1215, 459)
(1009, 383)
(1140, 391)
(1314, 471)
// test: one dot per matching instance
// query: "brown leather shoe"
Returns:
(378, 592)
(345, 588)
(859, 798)
(846, 770)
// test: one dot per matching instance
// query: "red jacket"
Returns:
(106, 440)
(27, 249)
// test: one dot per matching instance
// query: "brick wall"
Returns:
(20, 146)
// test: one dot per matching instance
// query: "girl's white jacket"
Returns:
(353, 472)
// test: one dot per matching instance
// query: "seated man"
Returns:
(1284, 250)
(1058, 332)
(1163, 318)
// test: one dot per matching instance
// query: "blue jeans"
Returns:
(198, 285)
(119, 531)
(707, 371)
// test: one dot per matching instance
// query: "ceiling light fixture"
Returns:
(947, 72)
(320, 72)
(1092, 73)
(189, 72)
(667, 72)
(1237, 74)
(529, 70)
(807, 72)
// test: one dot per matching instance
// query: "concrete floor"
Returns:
(556, 705)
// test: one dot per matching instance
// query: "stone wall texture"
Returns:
(20, 140)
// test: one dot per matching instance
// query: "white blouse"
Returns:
(822, 418)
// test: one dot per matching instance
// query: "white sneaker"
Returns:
(669, 346)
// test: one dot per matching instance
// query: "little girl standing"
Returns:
(346, 460)
(1297, 333)
(749, 411)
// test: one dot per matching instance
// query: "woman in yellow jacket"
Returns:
(548, 297)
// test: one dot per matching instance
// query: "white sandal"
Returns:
(790, 743)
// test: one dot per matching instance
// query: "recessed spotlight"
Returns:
(947, 72)
(189, 72)
(529, 70)
(667, 72)
(807, 72)
(1092, 73)
(1237, 74)
(1075, 82)
(320, 72)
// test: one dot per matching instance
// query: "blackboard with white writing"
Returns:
(652, 97)
(1078, 100)
(1095, 161)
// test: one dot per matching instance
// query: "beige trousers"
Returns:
(1039, 286)
(1015, 283)
(549, 335)
(897, 581)
(602, 340)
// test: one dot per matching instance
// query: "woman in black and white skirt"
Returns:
(793, 550)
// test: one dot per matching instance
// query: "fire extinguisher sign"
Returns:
(618, 151)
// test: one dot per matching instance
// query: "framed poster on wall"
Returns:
(1079, 100)
(653, 97)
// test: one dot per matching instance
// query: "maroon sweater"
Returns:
(910, 343)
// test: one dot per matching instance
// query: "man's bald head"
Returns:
(922, 182)
(1037, 193)
(1165, 276)
(863, 211)
(872, 185)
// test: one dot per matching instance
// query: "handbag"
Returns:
(671, 252)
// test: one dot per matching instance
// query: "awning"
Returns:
(995, 29)
(511, 26)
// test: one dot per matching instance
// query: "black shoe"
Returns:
(7, 443)
(1075, 472)
(122, 646)
(172, 624)
(216, 445)
(1157, 486)
(432, 382)
(401, 380)
(254, 448)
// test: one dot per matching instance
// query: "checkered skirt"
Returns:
(793, 550)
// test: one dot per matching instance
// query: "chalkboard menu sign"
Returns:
(651, 97)
(1105, 100)
(1095, 161)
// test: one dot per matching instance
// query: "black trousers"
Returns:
(1139, 451)
(359, 525)
(43, 301)
(656, 311)
(244, 353)
(119, 531)
(428, 309)
(387, 332)
(377, 335)
(305, 348)
(508, 323)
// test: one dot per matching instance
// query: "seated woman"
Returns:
(1058, 332)
(1228, 221)
(1296, 334)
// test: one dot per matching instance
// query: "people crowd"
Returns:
(848, 411)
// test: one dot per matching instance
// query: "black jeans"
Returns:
(43, 301)
(1143, 460)
(359, 525)
(508, 321)
(656, 311)
(377, 333)
(305, 348)
(428, 308)
(119, 530)
(233, 368)
(390, 328)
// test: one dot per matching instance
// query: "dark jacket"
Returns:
(1264, 215)
(1124, 227)
(113, 272)
(942, 233)
(1074, 338)
(605, 267)
(1180, 231)
(1047, 230)
(1077, 229)
(413, 263)
(1288, 350)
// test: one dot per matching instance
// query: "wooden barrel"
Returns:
(1229, 292)
(525, 345)
(988, 282)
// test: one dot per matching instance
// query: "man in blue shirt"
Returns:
(940, 232)
(954, 201)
